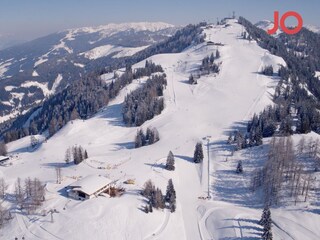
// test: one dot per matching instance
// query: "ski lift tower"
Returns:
(208, 152)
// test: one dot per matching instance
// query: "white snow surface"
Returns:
(4, 67)
(44, 86)
(9, 88)
(41, 60)
(215, 105)
(79, 65)
(56, 83)
(106, 50)
(35, 74)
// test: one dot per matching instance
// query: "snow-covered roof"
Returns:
(3, 158)
(91, 184)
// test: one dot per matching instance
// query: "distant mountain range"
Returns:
(32, 71)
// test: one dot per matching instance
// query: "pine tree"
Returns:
(230, 140)
(211, 58)
(170, 162)
(146, 209)
(67, 157)
(150, 207)
(198, 153)
(80, 154)
(217, 54)
(3, 149)
(171, 196)
(266, 223)
(148, 189)
(170, 191)
(159, 201)
(140, 139)
(85, 154)
(192, 79)
(266, 216)
(239, 167)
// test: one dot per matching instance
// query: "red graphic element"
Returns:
(283, 23)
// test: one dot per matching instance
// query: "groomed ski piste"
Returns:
(218, 104)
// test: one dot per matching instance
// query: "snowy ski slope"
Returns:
(216, 105)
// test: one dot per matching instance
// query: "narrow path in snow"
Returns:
(24, 228)
(167, 212)
(165, 222)
(297, 226)
(284, 231)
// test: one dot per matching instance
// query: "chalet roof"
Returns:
(3, 158)
(90, 184)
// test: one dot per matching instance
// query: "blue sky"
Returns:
(28, 19)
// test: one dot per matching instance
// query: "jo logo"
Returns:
(283, 26)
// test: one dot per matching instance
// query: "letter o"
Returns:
(294, 30)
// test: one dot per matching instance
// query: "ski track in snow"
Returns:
(158, 232)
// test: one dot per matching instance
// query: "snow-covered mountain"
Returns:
(266, 25)
(313, 28)
(34, 70)
(218, 104)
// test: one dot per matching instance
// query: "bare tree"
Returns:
(3, 188)
(58, 175)
(3, 149)
(301, 146)
(19, 193)
(67, 158)
(3, 215)
(310, 146)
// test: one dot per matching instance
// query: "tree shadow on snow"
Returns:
(27, 149)
(242, 238)
(222, 145)
(186, 158)
(57, 165)
(229, 187)
(237, 126)
(186, 82)
(156, 165)
(113, 114)
(124, 145)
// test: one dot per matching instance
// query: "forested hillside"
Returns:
(297, 95)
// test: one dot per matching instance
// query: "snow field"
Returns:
(216, 105)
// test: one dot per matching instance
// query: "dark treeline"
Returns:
(145, 102)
